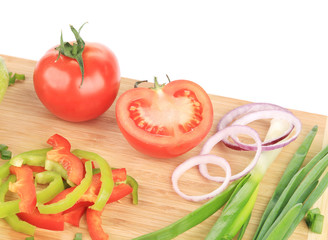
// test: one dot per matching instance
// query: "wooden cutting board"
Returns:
(25, 124)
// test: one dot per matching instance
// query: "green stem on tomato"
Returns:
(73, 51)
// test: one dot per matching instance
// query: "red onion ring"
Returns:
(194, 161)
(240, 111)
(232, 131)
(267, 114)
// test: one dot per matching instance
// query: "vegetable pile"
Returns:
(56, 186)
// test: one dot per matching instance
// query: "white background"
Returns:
(262, 51)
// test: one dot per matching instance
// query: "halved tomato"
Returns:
(167, 120)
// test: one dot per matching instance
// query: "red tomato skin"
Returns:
(58, 83)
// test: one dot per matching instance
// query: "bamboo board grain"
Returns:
(25, 125)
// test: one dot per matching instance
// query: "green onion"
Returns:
(314, 220)
(4, 152)
(195, 217)
(15, 77)
(293, 166)
(298, 196)
(237, 211)
(280, 230)
(315, 195)
(78, 236)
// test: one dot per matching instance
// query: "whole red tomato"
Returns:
(58, 82)
(165, 121)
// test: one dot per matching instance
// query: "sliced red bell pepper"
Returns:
(119, 192)
(24, 187)
(119, 174)
(37, 169)
(62, 155)
(46, 221)
(74, 216)
(94, 224)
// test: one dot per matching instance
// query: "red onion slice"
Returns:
(268, 114)
(232, 131)
(240, 111)
(194, 161)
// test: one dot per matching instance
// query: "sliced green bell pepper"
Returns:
(72, 197)
(4, 170)
(107, 183)
(134, 184)
(33, 157)
(55, 186)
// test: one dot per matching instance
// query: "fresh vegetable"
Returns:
(12, 219)
(53, 222)
(94, 225)
(292, 168)
(195, 161)
(55, 185)
(4, 152)
(79, 81)
(195, 217)
(78, 236)
(61, 153)
(281, 228)
(314, 220)
(107, 182)
(72, 197)
(239, 207)
(4, 78)
(304, 187)
(166, 120)
(24, 187)
(255, 111)
(13, 77)
(232, 131)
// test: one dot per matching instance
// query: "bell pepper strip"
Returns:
(72, 197)
(46, 221)
(8, 208)
(94, 225)
(37, 169)
(55, 186)
(4, 170)
(107, 182)
(119, 174)
(62, 155)
(14, 222)
(32, 158)
(74, 216)
(19, 225)
(134, 184)
(120, 191)
(24, 187)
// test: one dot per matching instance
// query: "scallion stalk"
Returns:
(237, 211)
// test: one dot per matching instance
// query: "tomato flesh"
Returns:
(166, 122)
